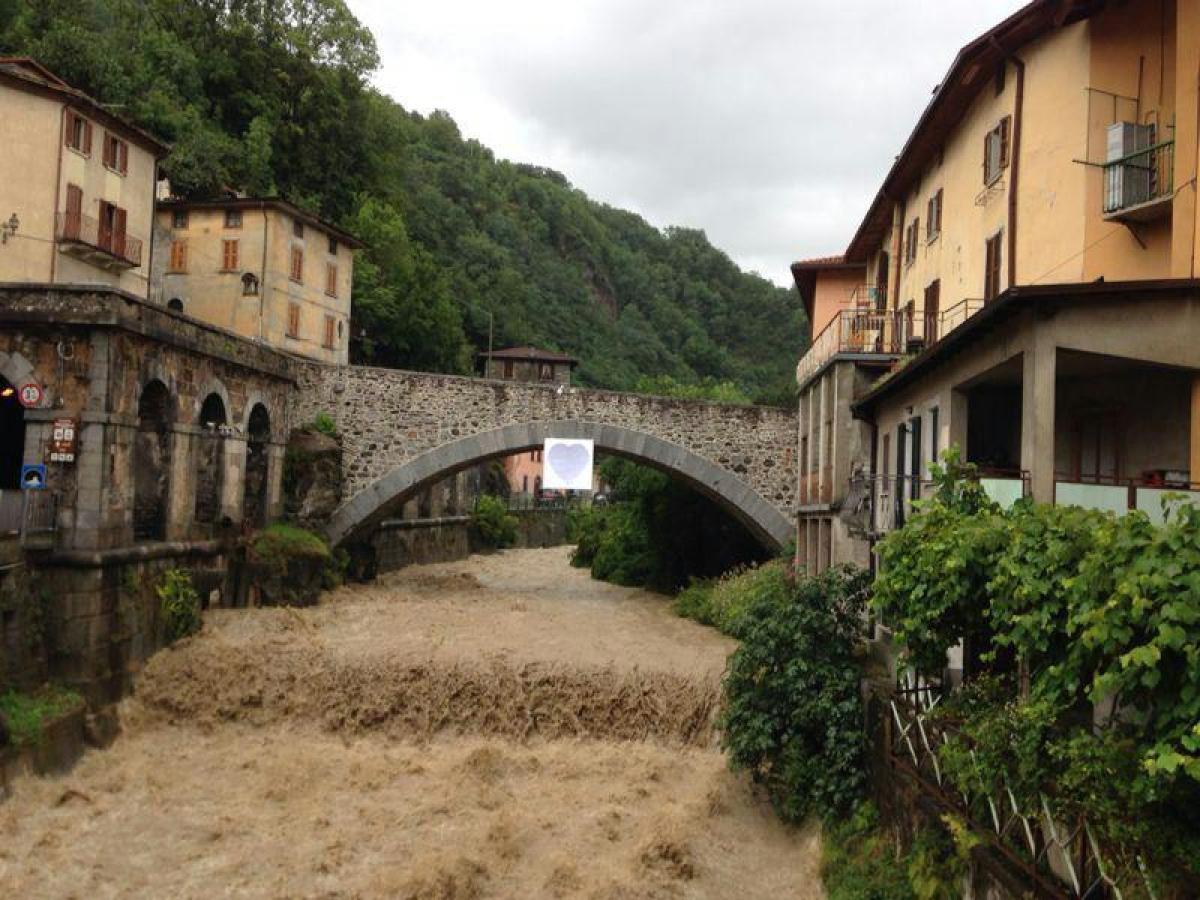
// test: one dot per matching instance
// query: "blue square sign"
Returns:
(33, 476)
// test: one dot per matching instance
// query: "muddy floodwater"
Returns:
(502, 727)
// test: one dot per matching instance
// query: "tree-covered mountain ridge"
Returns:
(276, 98)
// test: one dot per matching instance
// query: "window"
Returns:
(297, 228)
(297, 265)
(293, 323)
(330, 329)
(934, 433)
(545, 371)
(333, 246)
(991, 268)
(508, 368)
(910, 241)
(995, 151)
(249, 285)
(933, 216)
(229, 256)
(178, 256)
(179, 218)
(78, 133)
(116, 154)
(524, 484)
(331, 279)
(111, 234)
(233, 218)
(176, 304)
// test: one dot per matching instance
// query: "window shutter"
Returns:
(120, 217)
(293, 319)
(940, 201)
(1003, 137)
(122, 157)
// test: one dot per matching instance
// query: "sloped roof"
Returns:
(263, 203)
(532, 354)
(28, 74)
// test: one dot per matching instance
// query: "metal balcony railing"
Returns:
(1140, 180)
(91, 235)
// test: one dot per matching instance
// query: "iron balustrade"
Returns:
(1139, 178)
(75, 228)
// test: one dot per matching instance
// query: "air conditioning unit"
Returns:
(1129, 183)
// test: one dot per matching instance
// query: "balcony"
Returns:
(88, 239)
(1139, 187)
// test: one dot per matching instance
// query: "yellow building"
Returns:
(261, 268)
(1059, 151)
(76, 186)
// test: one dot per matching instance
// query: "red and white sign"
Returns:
(30, 395)
(62, 441)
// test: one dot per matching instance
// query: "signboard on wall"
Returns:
(63, 440)
(567, 464)
(33, 477)
(30, 395)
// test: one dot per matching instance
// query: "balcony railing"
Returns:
(1136, 186)
(863, 330)
(98, 241)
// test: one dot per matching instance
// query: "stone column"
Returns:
(233, 477)
(275, 456)
(181, 484)
(1037, 414)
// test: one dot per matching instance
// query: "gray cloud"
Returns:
(769, 124)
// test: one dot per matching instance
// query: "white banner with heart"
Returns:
(568, 464)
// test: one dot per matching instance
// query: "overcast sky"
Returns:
(769, 124)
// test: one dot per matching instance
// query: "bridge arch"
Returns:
(374, 502)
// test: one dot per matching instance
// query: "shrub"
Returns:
(724, 603)
(179, 605)
(934, 571)
(324, 424)
(276, 544)
(859, 860)
(793, 713)
(25, 715)
(585, 527)
(492, 524)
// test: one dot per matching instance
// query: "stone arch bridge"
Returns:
(403, 431)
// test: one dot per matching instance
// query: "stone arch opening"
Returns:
(152, 462)
(210, 454)
(12, 436)
(369, 506)
(254, 490)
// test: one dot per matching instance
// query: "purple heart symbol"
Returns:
(568, 461)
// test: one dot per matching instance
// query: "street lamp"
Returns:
(9, 228)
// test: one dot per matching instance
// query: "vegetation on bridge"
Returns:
(275, 98)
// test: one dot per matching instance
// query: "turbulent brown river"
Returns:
(500, 727)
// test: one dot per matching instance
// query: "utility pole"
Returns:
(489, 356)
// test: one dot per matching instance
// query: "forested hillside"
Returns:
(274, 98)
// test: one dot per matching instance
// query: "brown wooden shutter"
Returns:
(74, 217)
(120, 217)
(940, 202)
(293, 327)
(1004, 127)
(329, 327)
(331, 273)
(229, 260)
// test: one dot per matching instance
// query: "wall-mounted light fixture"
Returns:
(9, 228)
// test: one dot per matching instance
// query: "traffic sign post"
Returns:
(30, 394)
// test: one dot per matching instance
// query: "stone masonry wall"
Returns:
(387, 417)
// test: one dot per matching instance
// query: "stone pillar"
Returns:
(1195, 432)
(275, 456)
(233, 477)
(181, 487)
(1037, 414)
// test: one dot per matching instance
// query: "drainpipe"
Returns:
(1014, 165)
(62, 136)
(897, 243)
(262, 281)
(874, 469)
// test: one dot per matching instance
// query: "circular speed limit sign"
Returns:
(31, 394)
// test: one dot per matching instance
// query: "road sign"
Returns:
(62, 441)
(30, 394)
(33, 477)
